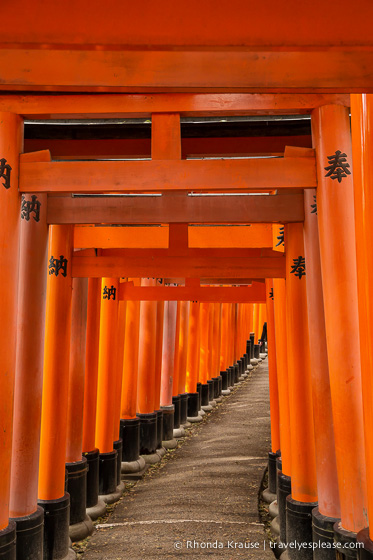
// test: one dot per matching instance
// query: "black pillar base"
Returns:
(77, 488)
(346, 539)
(193, 405)
(92, 477)
(230, 377)
(252, 342)
(118, 446)
(224, 380)
(168, 422)
(183, 408)
(199, 391)
(299, 527)
(176, 403)
(220, 385)
(56, 527)
(322, 532)
(130, 434)
(236, 374)
(205, 394)
(272, 472)
(217, 391)
(210, 384)
(256, 351)
(148, 431)
(159, 434)
(283, 490)
(107, 473)
(366, 552)
(30, 530)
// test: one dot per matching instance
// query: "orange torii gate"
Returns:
(286, 55)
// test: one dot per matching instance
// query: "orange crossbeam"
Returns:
(252, 294)
(80, 106)
(281, 208)
(190, 266)
(256, 235)
(168, 175)
(246, 70)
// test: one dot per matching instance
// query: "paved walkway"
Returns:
(203, 501)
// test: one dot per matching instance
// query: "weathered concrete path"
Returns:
(203, 503)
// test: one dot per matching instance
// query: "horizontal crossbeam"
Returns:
(245, 70)
(168, 175)
(81, 106)
(244, 294)
(185, 266)
(282, 208)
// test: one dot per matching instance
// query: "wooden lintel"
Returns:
(242, 70)
(82, 106)
(281, 208)
(252, 294)
(159, 237)
(186, 267)
(168, 175)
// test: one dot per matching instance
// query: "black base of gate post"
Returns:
(323, 532)
(81, 525)
(299, 527)
(193, 408)
(56, 529)
(29, 532)
(95, 507)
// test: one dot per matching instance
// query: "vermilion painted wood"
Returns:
(272, 367)
(190, 147)
(361, 128)
(226, 70)
(107, 365)
(158, 354)
(192, 364)
(74, 437)
(122, 312)
(255, 235)
(81, 106)
(282, 372)
(186, 23)
(207, 267)
(335, 210)
(168, 175)
(130, 360)
(29, 373)
(91, 364)
(147, 353)
(56, 370)
(303, 459)
(204, 325)
(176, 209)
(183, 344)
(255, 293)
(326, 467)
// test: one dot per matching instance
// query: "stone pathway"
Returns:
(203, 501)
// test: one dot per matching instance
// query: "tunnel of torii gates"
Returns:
(134, 294)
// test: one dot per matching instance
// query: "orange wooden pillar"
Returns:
(273, 390)
(328, 510)
(51, 492)
(335, 209)
(146, 392)
(192, 367)
(107, 362)
(158, 372)
(130, 424)
(224, 349)
(182, 350)
(118, 380)
(95, 506)
(206, 384)
(11, 144)
(76, 465)
(168, 363)
(362, 143)
(284, 477)
(303, 465)
(29, 377)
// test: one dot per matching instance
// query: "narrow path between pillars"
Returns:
(206, 492)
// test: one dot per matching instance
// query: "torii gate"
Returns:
(285, 67)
